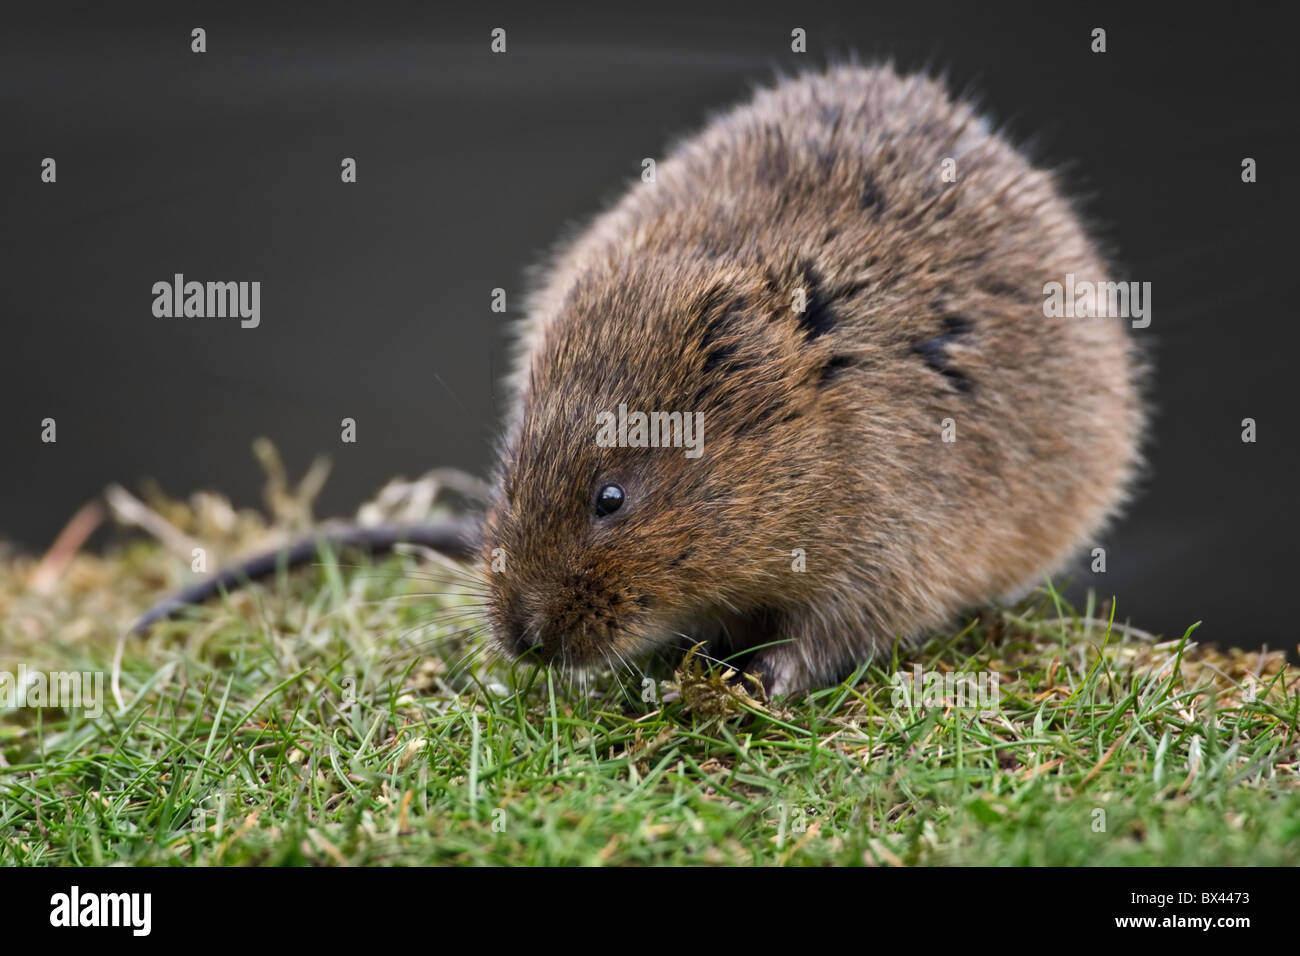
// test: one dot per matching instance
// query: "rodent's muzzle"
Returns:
(574, 621)
(519, 635)
(545, 639)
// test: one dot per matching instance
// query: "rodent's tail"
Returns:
(455, 538)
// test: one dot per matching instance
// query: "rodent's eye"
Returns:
(609, 499)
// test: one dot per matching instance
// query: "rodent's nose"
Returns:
(522, 634)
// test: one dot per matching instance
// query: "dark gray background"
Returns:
(375, 296)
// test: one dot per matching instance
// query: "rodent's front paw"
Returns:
(775, 671)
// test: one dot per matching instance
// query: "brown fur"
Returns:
(822, 429)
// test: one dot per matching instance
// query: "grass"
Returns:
(316, 721)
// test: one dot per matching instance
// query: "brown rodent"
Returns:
(823, 428)
(801, 278)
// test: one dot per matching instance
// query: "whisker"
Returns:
(435, 645)
(692, 641)
(442, 573)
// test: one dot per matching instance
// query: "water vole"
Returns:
(889, 430)
(800, 278)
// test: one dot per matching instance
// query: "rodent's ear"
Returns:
(796, 298)
(782, 314)
(792, 298)
(722, 325)
(762, 337)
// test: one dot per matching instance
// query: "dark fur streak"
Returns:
(934, 352)
(833, 368)
(762, 416)
(872, 197)
(999, 288)
(818, 317)
(719, 318)
(717, 356)
(852, 289)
